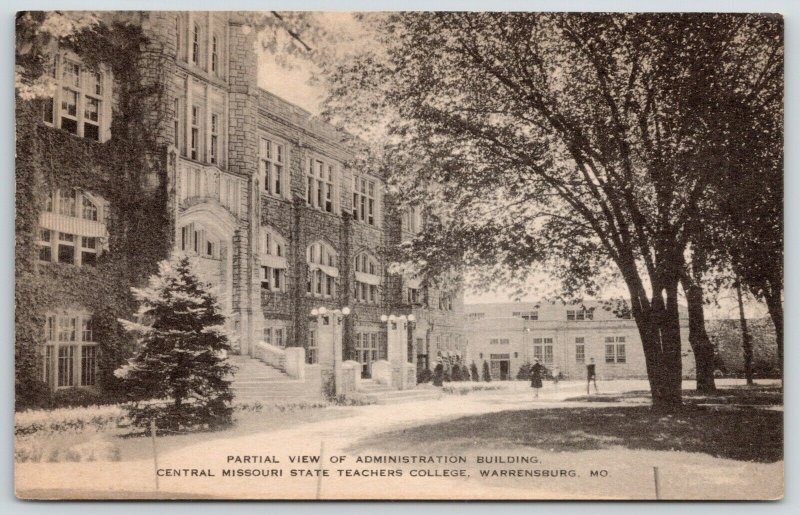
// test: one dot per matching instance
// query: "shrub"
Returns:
(82, 397)
(424, 376)
(487, 375)
(97, 418)
(524, 371)
(474, 372)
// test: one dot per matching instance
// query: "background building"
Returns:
(508, 335)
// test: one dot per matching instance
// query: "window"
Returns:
(70, 353)
(412, 295)
(273, 168)
(499, 341)
(367, 279)
(88, 365)
(369, 347)
(580, 314)
(543, 350)
(213, 151)
(45, 245)
(196, 44)
(275, 333)
(194, 144)
(195, 239)
(79, 99)
(178, 29)
(180, 140)
(580, 350)
(526, 315)
(445, 302)
(322, 270)
(88, 250)
(273, 261)
(214, 55)
(411, 220)
(82, 213)
(615, 349)
(364, 203)
(311, 349)
(476, 316)
(320, 185)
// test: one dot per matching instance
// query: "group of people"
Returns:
(538, 373)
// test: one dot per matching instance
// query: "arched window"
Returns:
(72, 228)
(367, 279)
(322, 270)
(273, 261)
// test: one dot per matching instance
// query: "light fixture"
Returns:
(322, 311)
(402, 318)
(345, 310)
(412, 318)
(384, 318)
(392, 318)
(314, 312)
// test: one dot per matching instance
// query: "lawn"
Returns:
(102, 434)
(736, 424)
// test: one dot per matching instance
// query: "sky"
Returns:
(294, 85)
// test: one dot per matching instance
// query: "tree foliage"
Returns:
(573, 143)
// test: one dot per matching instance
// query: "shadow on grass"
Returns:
(741, 396)
(743, 433)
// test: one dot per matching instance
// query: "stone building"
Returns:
(262, 193)
(563, 337)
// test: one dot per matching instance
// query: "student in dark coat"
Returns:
(537, 371)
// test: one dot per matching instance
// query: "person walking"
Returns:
(591, 376)
(556, 377)
(537, 371)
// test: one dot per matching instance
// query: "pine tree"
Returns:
(524, 371)
(474, 371)
(183, 354)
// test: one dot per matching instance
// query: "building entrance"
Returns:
(500, 366)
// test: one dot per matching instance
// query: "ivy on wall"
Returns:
(129, 171)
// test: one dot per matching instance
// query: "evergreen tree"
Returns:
(524, 371)
(487, 376)
(474, 372)
(183, 354)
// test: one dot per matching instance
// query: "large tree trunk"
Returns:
(747, 343)
(775, 308)
(702, 348)
(659, 328)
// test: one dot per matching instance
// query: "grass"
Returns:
(103, 433)
(736, 431)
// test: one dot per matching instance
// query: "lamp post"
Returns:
(396, 346)
(334, 319)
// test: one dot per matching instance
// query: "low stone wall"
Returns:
(351, 377)
(295, 362)
(271, 355)
(381, 372)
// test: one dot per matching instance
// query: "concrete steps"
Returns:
(254, 380)
(384, 394)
